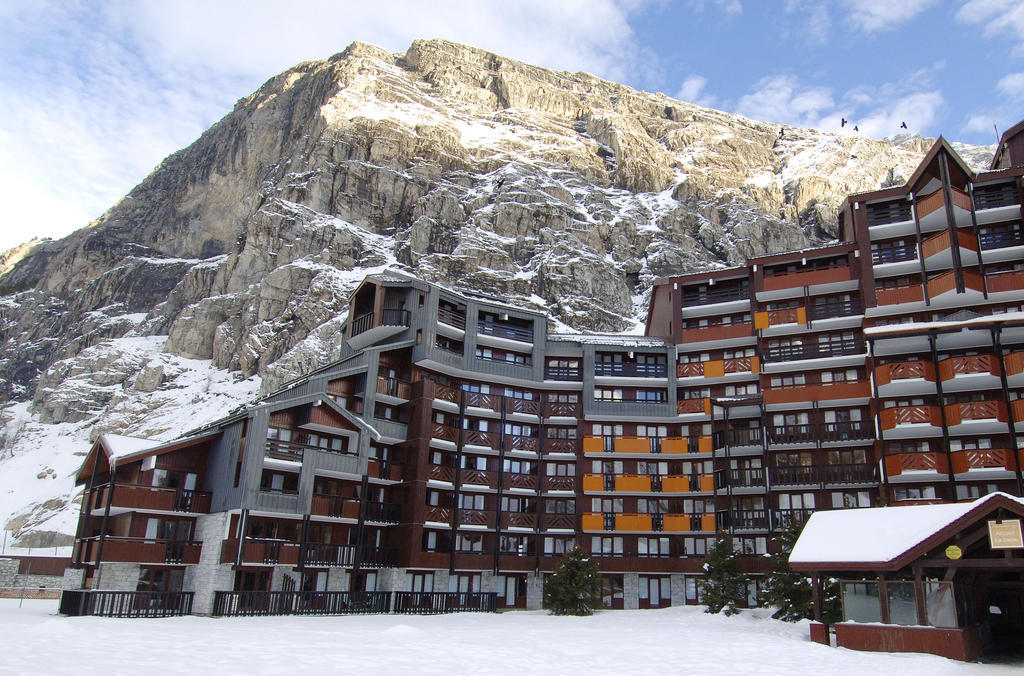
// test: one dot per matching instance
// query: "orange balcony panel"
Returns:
(937, 200)
(633, 522)
(705, 445)
(894, 295)
(717, 332)
(690, 369)
(694, 406)
(704, 483)
(975, 410)
(633, 483)
(1005, 281)
(676, 523)
(674, 445)
(843, 390)
(886, 373)
(936, 244)
(592, 483)
(761, 320)
(707, 523)
(741, 365)
(907, 462)
(909, 415)
(1014, 363)
(632, 445)
(593, 444)
(987, 458)
(714, 369)
(674, 483)
(978, 363)
(839, 273)
(592, 521)
(1017, 409)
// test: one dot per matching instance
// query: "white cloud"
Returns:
(1012, 85)
(731, 7)
(692, 90)
(93, 97)
(999, 17)
(875, 111)
(883, 15)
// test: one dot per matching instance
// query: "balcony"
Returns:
(136, 497)
(717, 332)
(506, 331)
(452, 318)
(792, 315)
(743, 436)
(945, 283)
(807, 433)
(834, 310)
(784, 517)
(629, 370)
(335, 506)
(694, 444)
(813, 475)
(369, 328)
(978, 416)
(80, 602)
(938, 252)
(744, 519)
(718, 293)
(478, 477)
(905, 377)
(816, 276)
(923, 463)
(382, 512)
(804, 433)
(718, 367)
(969, 372)
(444, 433)
(518, 520)
(559, 483)
(688, 523)
(562, 445)
(930, 209)
(885, 213)
(997, 459)
(893, 254)
(750, 477)
(141, 550)
(566, 373)
(393, 387)
(995, 196)
(293, 451)
(850, 389)
(699, 405)
(1002, 238)
(476, 517)
(899, 421)
(820, 350)
(320, 554)
(897, 295)
(1006, 282)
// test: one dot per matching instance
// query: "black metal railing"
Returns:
(125, 603)
(563, 373)
(750, 477)
(324, 554)
(255, 603)
(746, 436)
(497, 330)
(830, 310)
(797, 475)
(847, 430)
(371, 556)
(388, 317)
(784, 517)
(382, 512)
(993, 196)
(832, 348)
(743, 519)
(630, 370)
(451, 317)
(889, 212)
(1000, 239)
(432, 603)
(710, 295)
(805, 475)
(893, 254)
(804, 433)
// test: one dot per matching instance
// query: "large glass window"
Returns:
(860, 602)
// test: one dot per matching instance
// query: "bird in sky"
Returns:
(903, 125)
(842, 122)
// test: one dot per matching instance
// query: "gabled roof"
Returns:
(118, 449)
(1007, 135)
(887, 538)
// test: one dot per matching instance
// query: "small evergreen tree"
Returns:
(724, 586)
(575, 586)
(791, 592)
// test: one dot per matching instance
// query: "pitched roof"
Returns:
(886, 538)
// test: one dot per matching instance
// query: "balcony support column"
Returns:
(243, 524)
(1010, 422)
(357, 555)
(920, 249)
(303, 538)
(954, 241)
(951, 479)
(103, 530)
(977, 242)
(501, 484)
(457, 482)
(876, 404)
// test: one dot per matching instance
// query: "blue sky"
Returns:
(94, 94)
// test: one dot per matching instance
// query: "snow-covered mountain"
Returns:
(227, 270)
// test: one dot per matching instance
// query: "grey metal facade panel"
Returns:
(276, 502)
(220, 469)
(252, 459)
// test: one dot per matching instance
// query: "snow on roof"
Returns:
(943, 324)
(120, 446)
(875, 535)
(616, 339)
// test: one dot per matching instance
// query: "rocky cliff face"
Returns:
(558, 190)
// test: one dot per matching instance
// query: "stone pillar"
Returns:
(118, 576)
(209, 575)
(630, 591)
(677, 582)
(338, 579)
(535, 591)
(8, 571)
(74, 578)
(391, 579)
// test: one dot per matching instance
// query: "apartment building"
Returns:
(458, 448)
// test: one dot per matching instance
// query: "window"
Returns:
(652, 430)
(973, 491)
(655, 396)
(901, 493)
(607, 394)
(751, 546)
(279, 434)
(555, 546)
(561, 432)
(790, 380)
(469, 542)
(850, 499)
(606, 546)
(561, 469)
(420, 582)
(652, 546)
(560, 506)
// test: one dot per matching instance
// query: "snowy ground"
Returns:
(678, 640)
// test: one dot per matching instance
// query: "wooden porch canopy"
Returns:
(112, 449)
(889, 539)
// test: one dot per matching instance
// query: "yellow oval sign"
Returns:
(953, 552)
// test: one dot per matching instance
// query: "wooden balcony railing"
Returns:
(784, 517)
(552, 445)
(715, 332)
(895, 295)
(499, 330)
(900, 463)
(157, 498)
(444, 432)
(821, 275)
(141, 550)
(516, 480)
(807, 475)
(909, 415)
(749, 477)
(937, 200)
(451, 317)
(957, 414)
(744, 519)
(940, 242)
(816, 350)
(320, 554)
(1005, 281)
(563, 373)
(982, 458)
(904, 370)
(335, 506)
(393, 387)
(719, 293)
(969, 364)
(883, 213)
(389, 317)
(893, 254)
(478, 477)
(476, 517)
(561, 409)
(1017, 409)
(702, 405)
